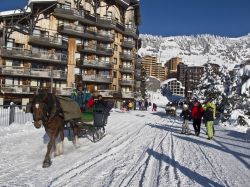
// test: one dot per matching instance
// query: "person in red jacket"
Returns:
(197, 113)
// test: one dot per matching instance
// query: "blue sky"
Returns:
(185, 17)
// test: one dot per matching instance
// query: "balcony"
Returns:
(97, 79)
(48, 41)
(82, 32)
(33, 72)
(75, 15)
(126, 56)
(16, 89)
(126, 69)
(128, 44)
(127, 95)
(138, 64)
(125, 82)
(105, 93)
(86, 18)
(24, 54)
(75, 30)
(27, 89)
(130, 31)
(93, 64)
(96, 49)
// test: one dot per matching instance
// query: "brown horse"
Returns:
(46, 111)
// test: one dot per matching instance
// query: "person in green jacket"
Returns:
(209, 117)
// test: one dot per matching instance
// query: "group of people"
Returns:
(86, 100)
(196, 111)
(140, 104)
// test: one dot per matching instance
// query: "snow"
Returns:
(141, 148)
(197, 50)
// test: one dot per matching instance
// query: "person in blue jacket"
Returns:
(78, 95)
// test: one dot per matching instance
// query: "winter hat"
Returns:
(185, 106)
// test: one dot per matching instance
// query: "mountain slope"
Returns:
(198, 49)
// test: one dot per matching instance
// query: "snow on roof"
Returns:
(41, 1)
(26, 8)
(169, 80)
(17, 11)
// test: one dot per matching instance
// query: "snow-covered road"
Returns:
(140, 148)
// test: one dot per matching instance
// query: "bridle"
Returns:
(46, 113)
(45, 116)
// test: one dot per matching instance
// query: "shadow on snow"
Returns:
(202, 180)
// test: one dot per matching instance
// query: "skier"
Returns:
(197, 113)
(186, 116)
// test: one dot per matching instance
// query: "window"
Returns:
(19, 45)
(114, 74)
(116, 47)
(16, 63)
(114, 87)
(109, 15)
(115, 60)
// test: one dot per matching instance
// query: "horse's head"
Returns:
(39, 110)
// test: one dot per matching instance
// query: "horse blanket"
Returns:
(70, 108)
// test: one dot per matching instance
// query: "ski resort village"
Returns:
(92, 96)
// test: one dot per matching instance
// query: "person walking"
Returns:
(154, 107)
(197, 113)
(209, 117)
(146, 104)
(186, 116)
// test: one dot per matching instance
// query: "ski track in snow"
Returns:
(141, 148)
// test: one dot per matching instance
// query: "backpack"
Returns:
(209, 114)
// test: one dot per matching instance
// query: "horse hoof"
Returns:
(46, 164)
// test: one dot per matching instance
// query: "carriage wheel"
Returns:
(96, 135)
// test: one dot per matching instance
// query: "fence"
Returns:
(14, 114)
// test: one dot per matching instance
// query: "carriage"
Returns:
(53, 112)
(90, 123)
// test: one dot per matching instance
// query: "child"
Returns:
(154, 107)
(186, 116)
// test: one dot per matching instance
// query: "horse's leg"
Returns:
(61, 150)
(76, 131)
(47, 160)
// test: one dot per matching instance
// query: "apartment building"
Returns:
(171, 66)
(152, 68)
(193, 77)
(56, 44)
(175, 87)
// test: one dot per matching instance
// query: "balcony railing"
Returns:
(127, 95)
(84, 32)
(33, 72)
(126, 82)
(24, 54)
(52, 41)
(74, 14)
(96, 49)
(86, 18)
(27, 89)
(94, 64)
(127, 69)
(131, 31)
(106, 93)
(97, 78)
(126, 56)
(128, 44)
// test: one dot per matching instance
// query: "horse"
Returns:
(46, 111)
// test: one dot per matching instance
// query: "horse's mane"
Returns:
(50, 100)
